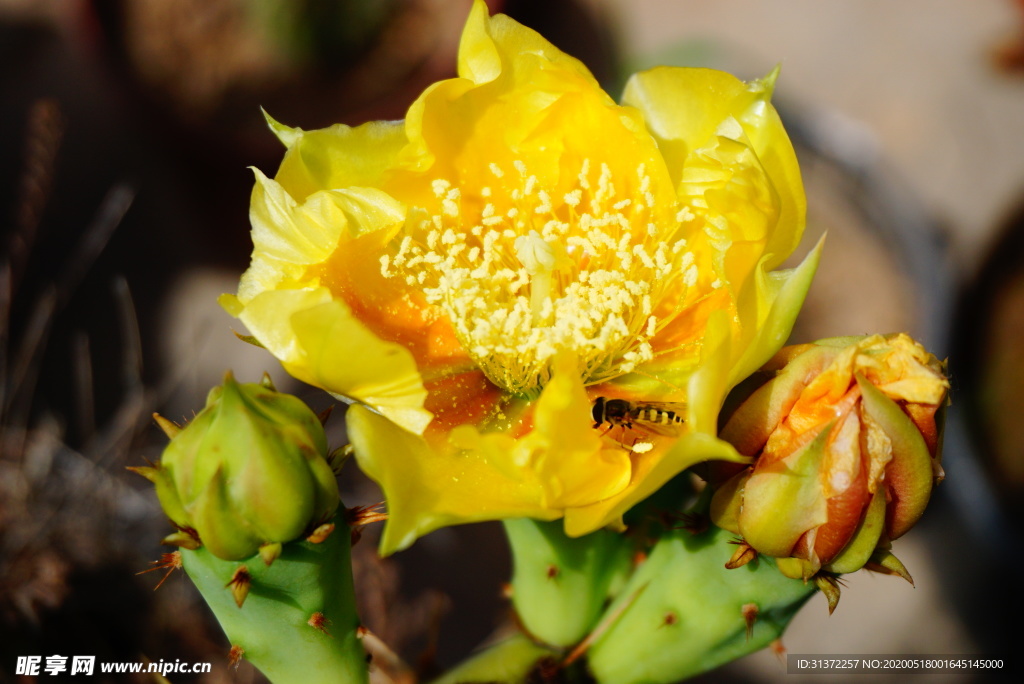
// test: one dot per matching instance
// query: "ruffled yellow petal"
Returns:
(427, 488)
(650, 473)
(686, 109)
(286, 237)
(493, 46)
(268, 317)
(344, 357)
(312, 332)
(903, 369)
(573, 464)
(289, 237)
(319, 341)
(769, 310)
(519, 101)
(337, 157)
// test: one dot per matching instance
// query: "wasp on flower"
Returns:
(474, 278)
(643, 420)
(659, 417)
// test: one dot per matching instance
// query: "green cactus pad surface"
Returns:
(683, 613)
(273, 624)
(506, 662)
(560, 584)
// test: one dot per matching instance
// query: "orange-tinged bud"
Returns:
(845, 441)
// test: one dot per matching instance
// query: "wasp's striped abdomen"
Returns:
(658, 416)
(653, 415)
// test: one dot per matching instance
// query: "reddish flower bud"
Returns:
(845, 441)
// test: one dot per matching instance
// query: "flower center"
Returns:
(523, 275)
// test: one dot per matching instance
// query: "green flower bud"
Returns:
(845, 438)
(249, 470)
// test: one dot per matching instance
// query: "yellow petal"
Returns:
(648, 476)
(562, 463)
(337, 157)
(344, 357)
(286, 237)
(685, 109)
(519, 100)
(286, 134)
(769, 309)
(708, 385)
(309, 329)
(268, 317)
(427, 488)
(320, 342)
(289, 236)
(571, 463)
(491, 46)
(903, 369)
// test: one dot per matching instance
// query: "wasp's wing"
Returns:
(663, 429)
(677, 407)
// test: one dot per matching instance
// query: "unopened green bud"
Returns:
(249, 470)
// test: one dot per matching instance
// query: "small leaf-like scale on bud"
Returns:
(147, 472)
(321, 533)
(239, 584)
(169, 428)
(270, 552)
(884, 562)
(743, 555)
(829, 586)
(182, 539)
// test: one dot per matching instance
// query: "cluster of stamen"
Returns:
(523, 275)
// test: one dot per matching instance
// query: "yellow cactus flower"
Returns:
(474, 277)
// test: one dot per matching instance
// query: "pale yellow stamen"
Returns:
(523, 276)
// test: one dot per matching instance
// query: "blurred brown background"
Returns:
(126, 127)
